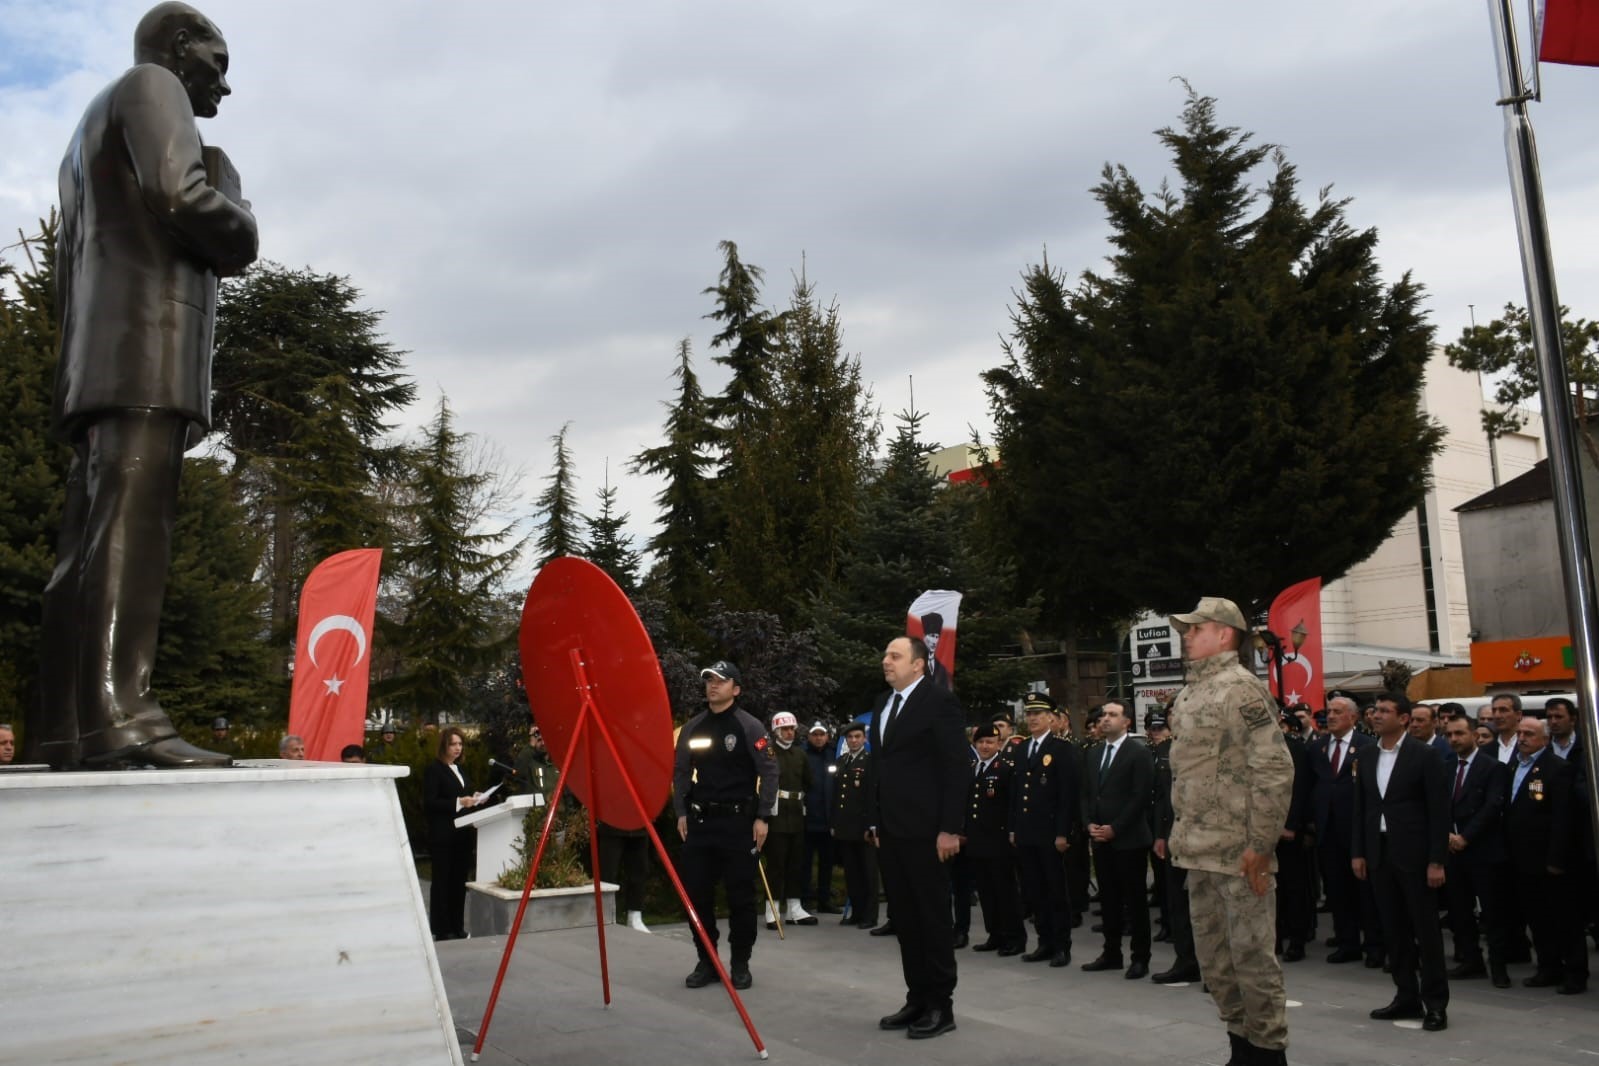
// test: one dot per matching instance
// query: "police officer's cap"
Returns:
(855, 727)
(1154, 720)
(1211, 609)
(219, 723)
(723, 670)
(1039, 701)
(987, 729)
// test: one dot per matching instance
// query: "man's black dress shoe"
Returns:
(740, 975)
(1061, 958)
(988, 945)
(902, 1018)
(1011, 949)
(1435, 1021)
(1540, 980)
(1137, 971)
(1345, 955)
(1467, 969)
(1398, 1009)
(935, 1022)
(961, 940)
(1572, 987)
(703, 975)
(1295, 952)
(1104, 962)
(886, 929)
(1178, 974)
(1499, 976)
(1374, 960)
(1038, 954)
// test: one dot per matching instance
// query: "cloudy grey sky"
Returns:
(533, 193)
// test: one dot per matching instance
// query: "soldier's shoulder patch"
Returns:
(1258, 712)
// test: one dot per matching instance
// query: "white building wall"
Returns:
(1382, 601)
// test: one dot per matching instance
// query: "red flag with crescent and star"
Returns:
(333, 653)
(1299, 605)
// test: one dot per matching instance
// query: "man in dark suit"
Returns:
(916, 810)
(1479, 784)
(146, 228)
(1043, 809)
(1538, 829)
(1333, 804)
(1401, 842)
(988, 845)
(1118, 796)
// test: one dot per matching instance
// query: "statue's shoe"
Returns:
(167, 753)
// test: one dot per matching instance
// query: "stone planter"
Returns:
(490, 909)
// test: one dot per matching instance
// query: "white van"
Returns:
(1530, 701)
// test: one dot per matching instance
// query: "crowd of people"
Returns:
(1379, 826)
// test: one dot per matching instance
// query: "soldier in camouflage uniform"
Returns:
(1232, 778)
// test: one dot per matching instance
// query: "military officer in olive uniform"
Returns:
(1232, 779)
(785, 842)
(848, 823)
(1044, 806)
(988, 846)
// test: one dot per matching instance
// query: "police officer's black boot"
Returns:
(740, 973)
(703, 974)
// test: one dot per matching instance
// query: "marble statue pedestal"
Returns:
(267, 913)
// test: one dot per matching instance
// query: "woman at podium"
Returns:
(445, 794)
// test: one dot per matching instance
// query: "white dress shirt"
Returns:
(1386, 757)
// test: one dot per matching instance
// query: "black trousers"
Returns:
(451, 857)
(785, 870)
(623, 862)
(859, 860)
(818, 861)
(1123, 898)
(1558, 931)
(1177, 918)
(721, 851)
(1471, 887)
(999, 898)
(1077, 857)
(1043, 878)
(962, 881)
(1296, 908)
(918, 899)
(1352, 902)
(1410, 929)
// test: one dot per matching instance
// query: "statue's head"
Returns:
(178, 37)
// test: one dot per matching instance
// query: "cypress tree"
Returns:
(557, 505)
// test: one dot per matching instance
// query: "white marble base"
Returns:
(268, 913)
(490, 909)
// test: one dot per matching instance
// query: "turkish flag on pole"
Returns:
(1570, 33)
(1299, 605)
(327, 705)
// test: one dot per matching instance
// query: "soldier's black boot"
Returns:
(703, 974)
(740, 973)
(1268, 1057)
(1241, 1050)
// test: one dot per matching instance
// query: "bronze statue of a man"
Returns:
(150, 219)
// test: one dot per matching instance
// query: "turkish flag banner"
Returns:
(1570, 33)
(332, 660)
(1299, 605)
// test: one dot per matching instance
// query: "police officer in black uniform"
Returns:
(847, 818)
(988, 846)
(724, 788)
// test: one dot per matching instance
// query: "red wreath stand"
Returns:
(602, 708)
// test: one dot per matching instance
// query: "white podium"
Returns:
(498, 827)
(267, 913)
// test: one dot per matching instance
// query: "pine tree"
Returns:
(746, 339)
(448, 625)
(1232, 408)
(682, 545)
(791, 482)
(557, 505)
(609, 547)
(33, 462)
(304, 387)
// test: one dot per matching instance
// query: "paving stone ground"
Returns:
(818, 994)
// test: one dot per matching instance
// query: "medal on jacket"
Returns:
(1535, 788)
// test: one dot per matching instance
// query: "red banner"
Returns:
(933, 617)
(1570, 33)
(1299, 605)
(332, 653)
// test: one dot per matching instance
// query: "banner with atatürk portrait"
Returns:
(933, 616)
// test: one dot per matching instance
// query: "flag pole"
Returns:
(1543, 308)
